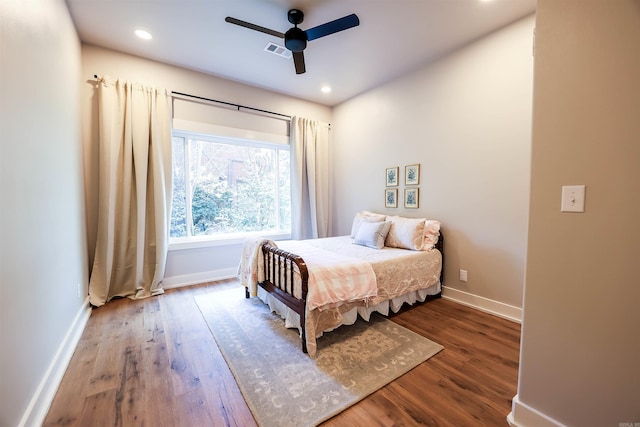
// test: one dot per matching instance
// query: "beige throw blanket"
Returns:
(251, 268)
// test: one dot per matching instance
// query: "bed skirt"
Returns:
(292, 320)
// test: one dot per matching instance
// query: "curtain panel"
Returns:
(134, 191)
(310, 179)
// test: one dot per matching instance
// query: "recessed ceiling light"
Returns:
(145, 35)
(326, 89)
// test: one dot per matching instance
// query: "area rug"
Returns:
(284, 386)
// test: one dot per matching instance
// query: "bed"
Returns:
(318, 285)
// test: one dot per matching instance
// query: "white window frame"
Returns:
(190, 241)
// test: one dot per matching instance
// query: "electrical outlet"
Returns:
(463, 275)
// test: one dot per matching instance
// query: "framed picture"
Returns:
(412, 174)
(411, 198)
(391, 198)
(392, 176)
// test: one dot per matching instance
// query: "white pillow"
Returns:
(369, 216)
(372, 234)
(406, 233)
(431, 234)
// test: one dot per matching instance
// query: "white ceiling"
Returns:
(394, 37)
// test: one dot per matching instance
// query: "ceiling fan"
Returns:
(296, 39)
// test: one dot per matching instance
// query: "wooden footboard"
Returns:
(279, 281)
(440, 247)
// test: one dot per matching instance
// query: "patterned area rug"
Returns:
(285, 387)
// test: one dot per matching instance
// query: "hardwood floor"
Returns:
(153, 362)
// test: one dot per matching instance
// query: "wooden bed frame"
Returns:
(279, 280)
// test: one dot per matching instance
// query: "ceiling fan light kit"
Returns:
(295, 39)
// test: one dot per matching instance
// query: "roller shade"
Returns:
(216, 119)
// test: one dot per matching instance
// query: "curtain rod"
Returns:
(238, 106)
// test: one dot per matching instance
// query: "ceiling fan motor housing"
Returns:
(295, 39)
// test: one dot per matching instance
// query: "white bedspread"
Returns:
(397, 271)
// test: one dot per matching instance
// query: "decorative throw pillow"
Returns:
(372, 234)
(405, 233)
(369, 216)
(431, 234)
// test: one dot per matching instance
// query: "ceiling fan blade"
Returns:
(254, 27)
(340, 24)
(298, 61)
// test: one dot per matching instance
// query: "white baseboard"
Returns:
(523, 415)
(487, 305)
(46, 391)
(197, 278)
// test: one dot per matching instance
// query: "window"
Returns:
(223, 187)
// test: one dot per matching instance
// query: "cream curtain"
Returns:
(310, 175)
(134, 191)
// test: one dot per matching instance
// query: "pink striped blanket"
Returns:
(333, 279)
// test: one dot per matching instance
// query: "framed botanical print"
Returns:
(411, 198)
(412, 174)
(391, 198)
(392, 176)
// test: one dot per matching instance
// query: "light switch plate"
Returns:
(572, 198)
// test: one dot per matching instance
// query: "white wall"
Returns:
(580, 352)
(42, 238)
(467, 120)
(192, 265)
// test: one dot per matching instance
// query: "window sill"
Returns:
(227, 240)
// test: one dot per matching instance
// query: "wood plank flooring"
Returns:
(154, 362)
